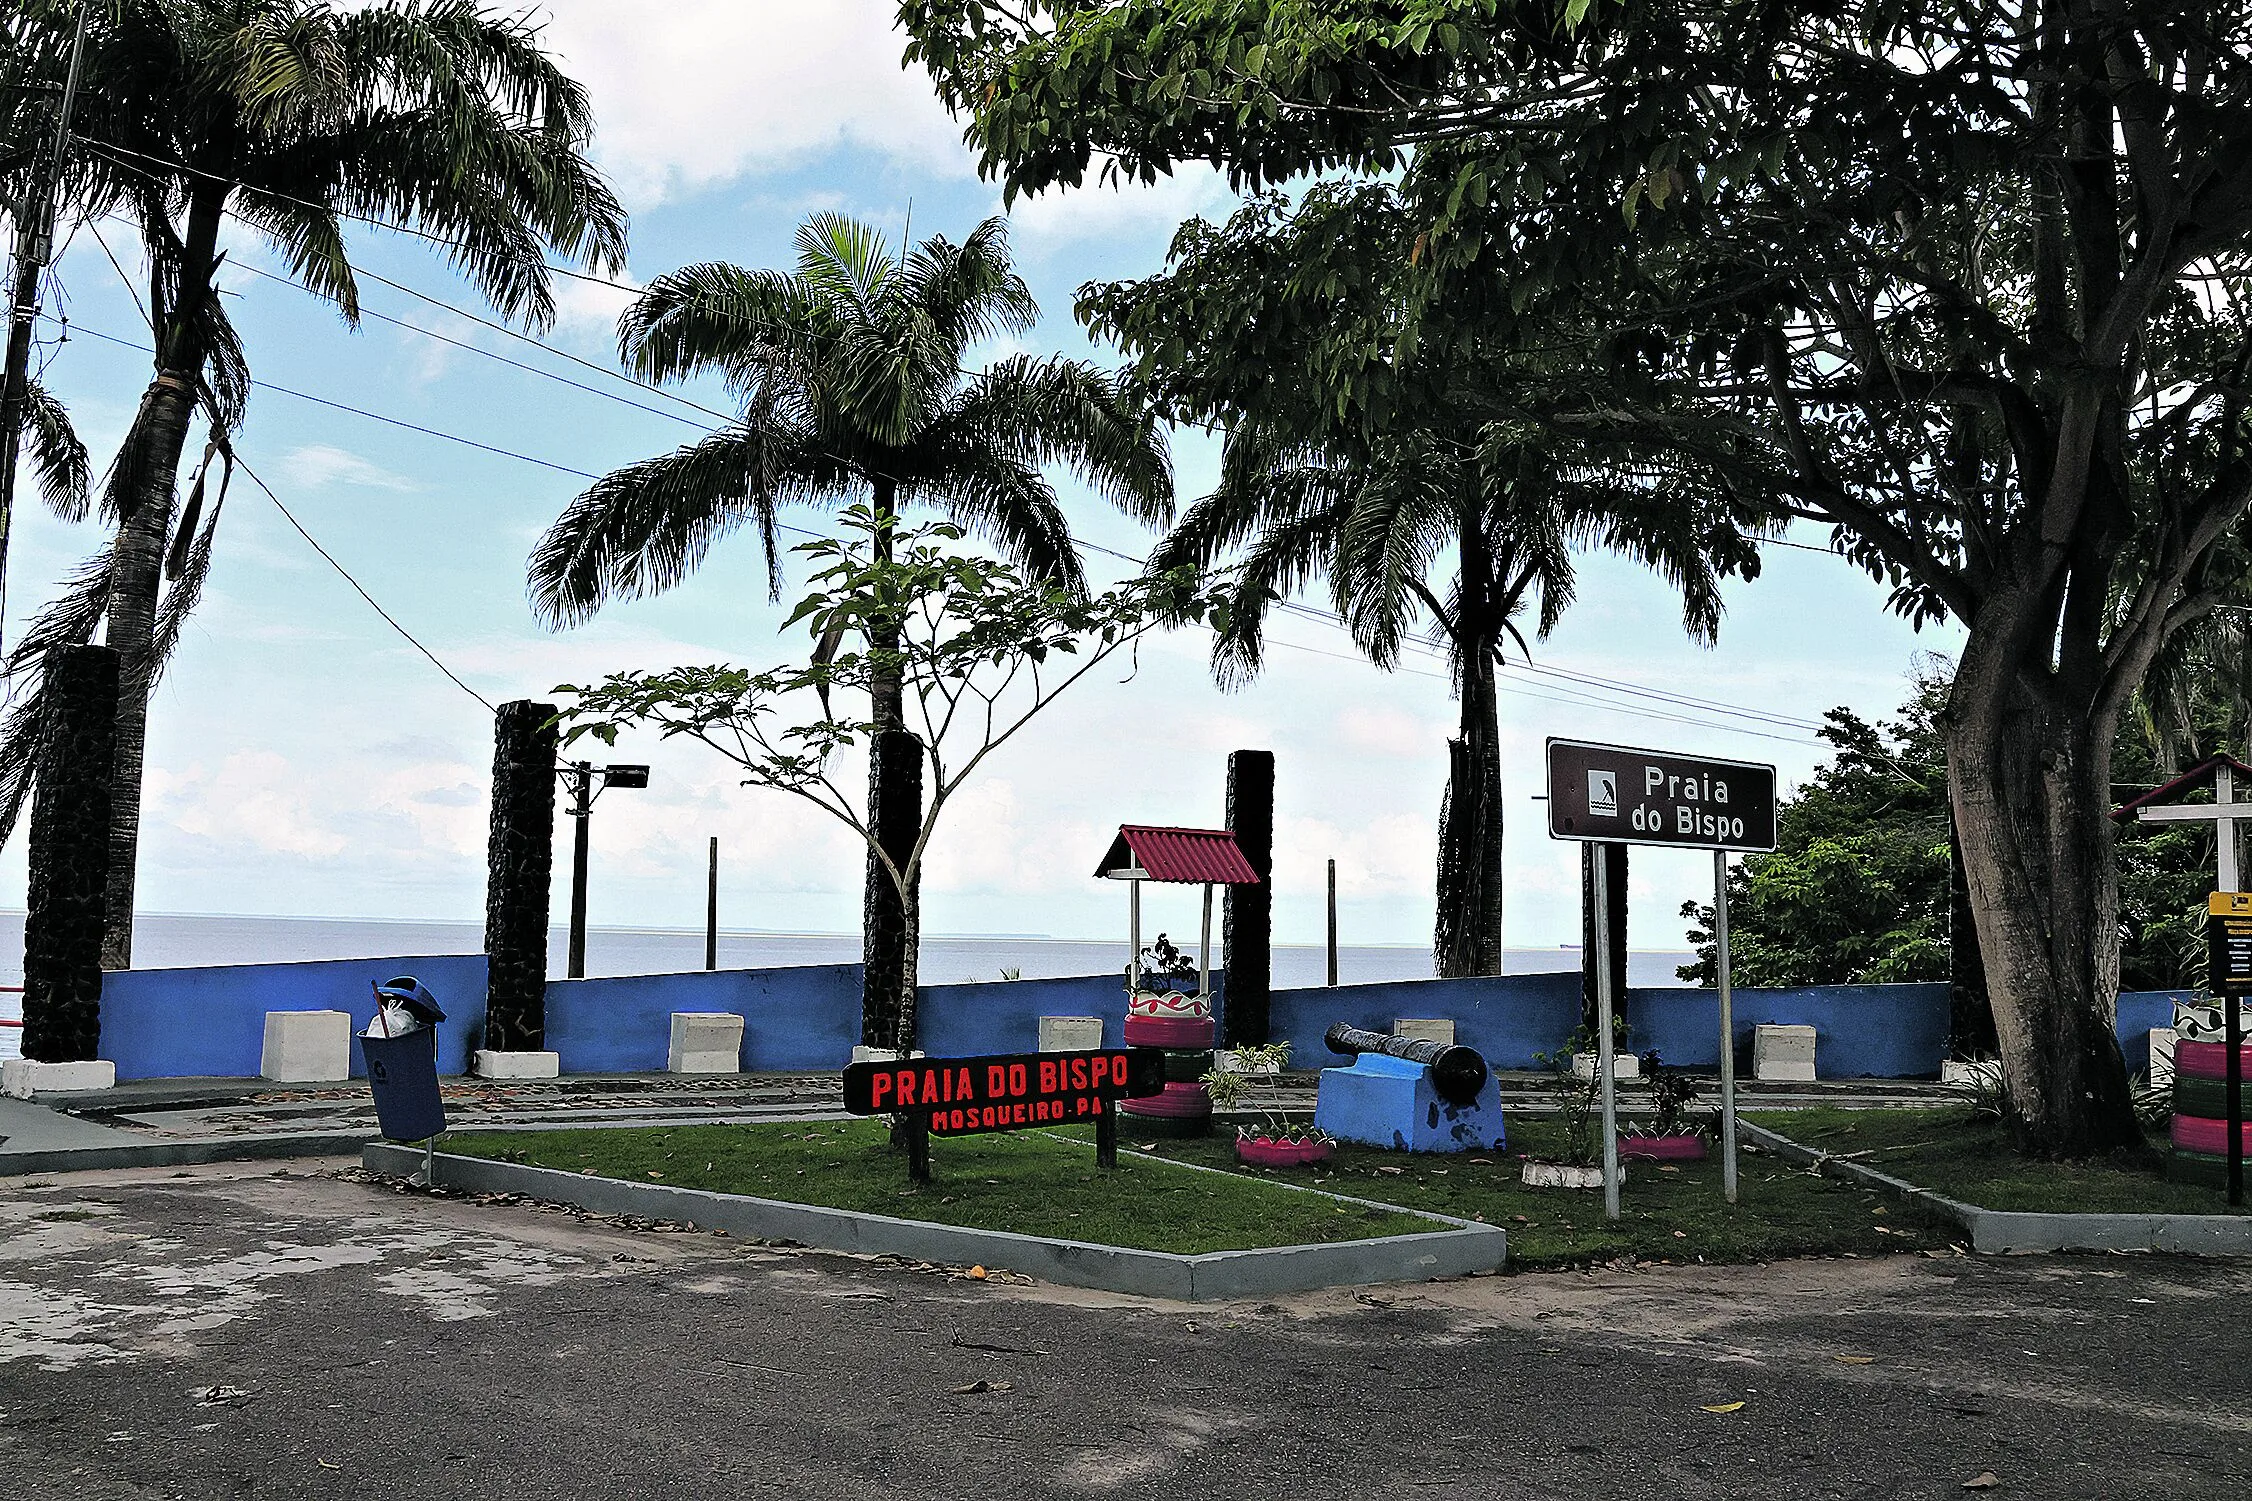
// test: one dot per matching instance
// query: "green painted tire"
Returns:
(2206, 1097)
(2199, 1168)
(1187, 1068)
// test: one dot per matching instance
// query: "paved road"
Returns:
(237, 1332)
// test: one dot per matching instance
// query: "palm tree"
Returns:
(1441, 518)
(290, 117)
(848, 371)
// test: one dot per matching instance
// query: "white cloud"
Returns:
(319, 465)
(1065, 216)
(693, 92)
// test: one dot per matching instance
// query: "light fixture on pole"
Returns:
(580, 779)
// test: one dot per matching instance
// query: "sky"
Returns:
(306, 760)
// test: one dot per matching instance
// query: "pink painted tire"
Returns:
(1179, 1101)
(1169, 1032)
(2210, 1060)
(1663, 1148)
(1262, 1151)
(2207, 1137)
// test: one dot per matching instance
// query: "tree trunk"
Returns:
(1970, 1016)
(2029, 764)
(62, 929)
(148, 492)
(519, 870)
(891, 921)
(129, 628)
(1247, 912)
(1466, 938)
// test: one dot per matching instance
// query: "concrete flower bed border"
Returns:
(1460, 1248)
(1998, 1230)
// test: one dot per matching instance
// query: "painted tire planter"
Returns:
(2199, 1168)
(1189, 1032)
(2197, 1133)
(2208, 1097)
(1563, 1175)
(1265, 1151)
(1179, 1101)
(2210, 1060)
(1187, 1068)
(1663, 1148)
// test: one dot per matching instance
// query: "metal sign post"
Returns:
(1622, 794)
(2228, 925)
(1605, 1008)
(1727, 1025)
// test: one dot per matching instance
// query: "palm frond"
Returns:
(57, 454)
(1061, 411)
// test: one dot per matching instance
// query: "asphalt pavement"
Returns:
(242, 1331)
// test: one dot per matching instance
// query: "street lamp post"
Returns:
(580, 780)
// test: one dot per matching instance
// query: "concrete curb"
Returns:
(1459, 1249)
(193, 1152)
(2000, 1230)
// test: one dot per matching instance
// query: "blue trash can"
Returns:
(403, 1076)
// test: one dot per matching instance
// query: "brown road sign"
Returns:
(1619, 794)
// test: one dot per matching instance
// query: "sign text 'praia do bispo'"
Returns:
(1618, 794)
(1004, 1093)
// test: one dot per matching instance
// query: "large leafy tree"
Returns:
(1439, 514)
(292, 118)
(849, 373)
(1966, 283)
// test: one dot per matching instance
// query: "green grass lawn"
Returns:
(1027, 1182)
(1669, 1212)
(1970, 1159)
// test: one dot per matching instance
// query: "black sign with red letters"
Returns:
(1005, 1093)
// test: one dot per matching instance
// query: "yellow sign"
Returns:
(2229, 904)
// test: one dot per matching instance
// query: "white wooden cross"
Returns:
(2222, 813)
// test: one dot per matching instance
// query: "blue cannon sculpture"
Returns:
(1409, 1095)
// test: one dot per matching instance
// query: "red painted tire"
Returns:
(1178, 1101)
(1663, 1148)
(2197, 1133)
(1169, 1031)
(2210, 1060)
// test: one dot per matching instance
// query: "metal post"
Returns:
(1727, 1025)
(1604, 1002)
(1204, 951)
(1134, 934)
(2224, 829)
(581, 774)
(1106, 1135)
(711, 911)
(2232, 1034)
(1333, 922)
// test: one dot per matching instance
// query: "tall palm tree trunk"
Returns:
(891, 918)
(1467, 937)
(148, 470)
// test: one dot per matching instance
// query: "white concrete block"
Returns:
(1229, 1061)
(862, 1053)
(2162, 1040)
(21, 1078)
(307, 1047)
(705, 1042)
(1783, 1053)
(1425, 1029)
(1969, 1073)
(491, 1064)
(1070, 1034)
(1624, 1065)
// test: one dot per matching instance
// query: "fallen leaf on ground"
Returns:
(1722, 1406)
(655, 1174)
(975, 1274)
(220, 1396)
(1984, 1480)
(326, 1465)
(1855, 1359)
(981, 1385)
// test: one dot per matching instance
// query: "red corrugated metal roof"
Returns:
(2189, 781)
(1191, 855)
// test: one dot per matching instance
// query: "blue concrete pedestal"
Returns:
(1389, 1102)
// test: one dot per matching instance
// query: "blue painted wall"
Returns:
(171, 1023)
(176, 1022)
(804, 1018)
(1508, 1018)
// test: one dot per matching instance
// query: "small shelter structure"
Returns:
(1206, 857)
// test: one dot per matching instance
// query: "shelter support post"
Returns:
(1134, 935)
(1727, 1025)
(1605, 1008)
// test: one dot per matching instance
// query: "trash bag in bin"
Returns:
(403, 1065)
